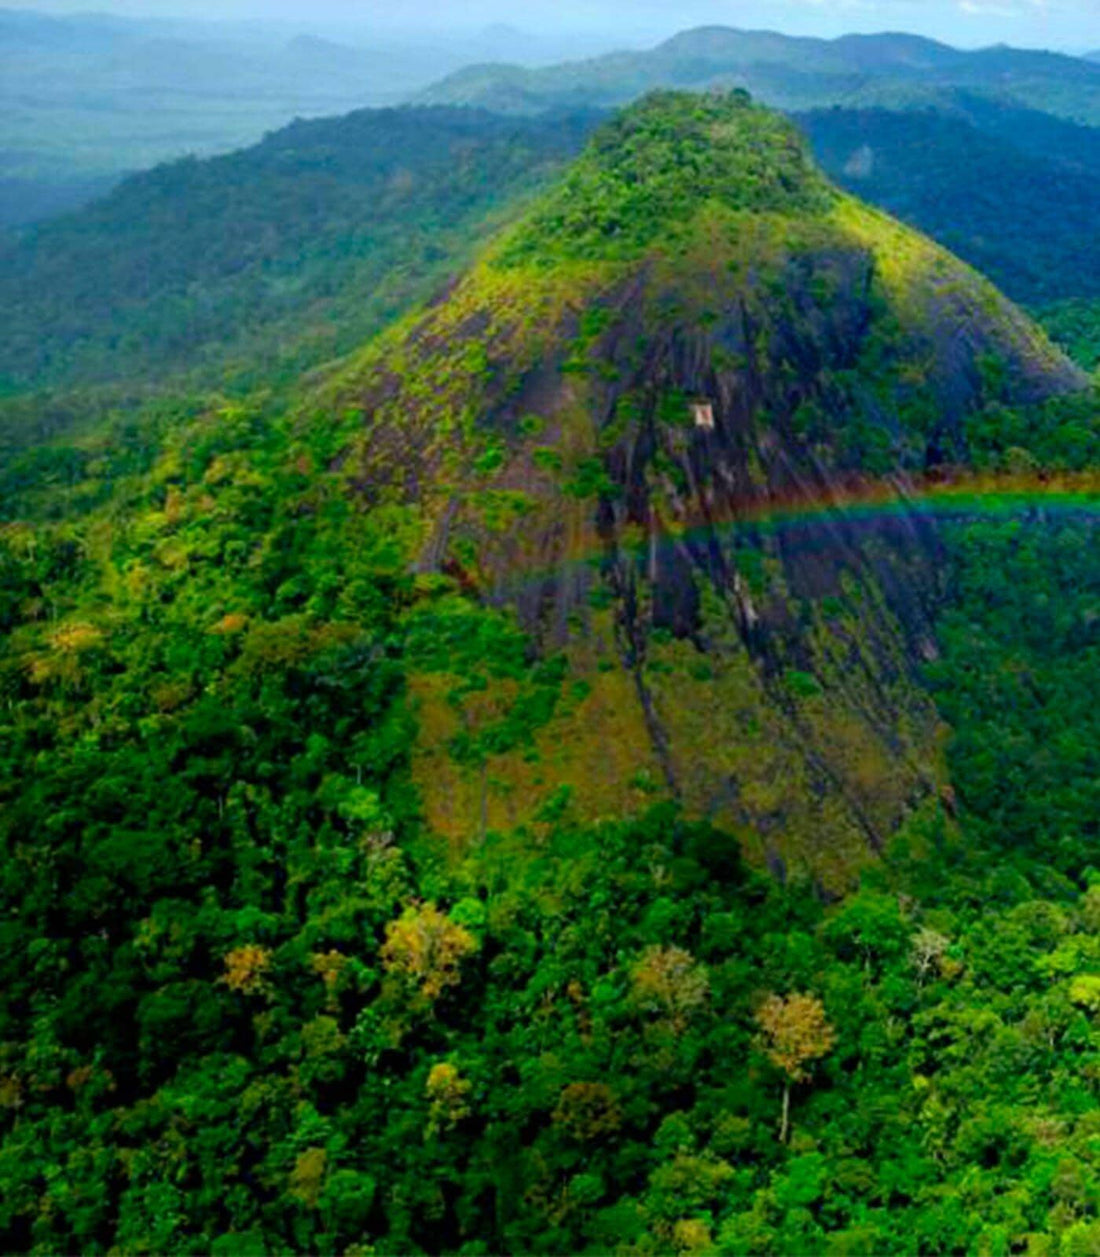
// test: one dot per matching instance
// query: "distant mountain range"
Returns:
(87, 98)
(790, 73)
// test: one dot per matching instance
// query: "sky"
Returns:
(1063, 24)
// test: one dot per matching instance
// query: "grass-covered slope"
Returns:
(537, 433)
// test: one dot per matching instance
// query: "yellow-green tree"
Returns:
(794, 1032)
(669, 981)
(448, 1095)
(425, 946)
(247, 969)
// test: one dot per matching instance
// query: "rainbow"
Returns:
(948, 495)
(951, 494)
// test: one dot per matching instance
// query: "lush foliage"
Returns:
(1007, 189)
(1076, 326)
(655, 165)
(259, 264)
(249, 1002)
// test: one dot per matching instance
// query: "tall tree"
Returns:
(794, 1032)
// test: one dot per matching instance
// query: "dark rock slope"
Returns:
(633, 427)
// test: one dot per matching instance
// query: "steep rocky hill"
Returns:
(358, 742)
(593, 428)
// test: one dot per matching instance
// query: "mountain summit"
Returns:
(591, 430)
(647, 174)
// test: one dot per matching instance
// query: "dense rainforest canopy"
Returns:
(254, 1001)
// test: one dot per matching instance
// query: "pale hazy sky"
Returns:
(1073, 24)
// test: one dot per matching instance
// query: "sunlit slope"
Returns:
(582, 433)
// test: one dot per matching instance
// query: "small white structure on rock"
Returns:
(703, 414)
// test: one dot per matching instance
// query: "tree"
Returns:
(588, 1111)
(425, 945)
(795, 1031)
(669, 981)
(448, 1094)
(927, 950)
(247, 968)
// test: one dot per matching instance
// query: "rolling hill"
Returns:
(263, 261)
(789, 73)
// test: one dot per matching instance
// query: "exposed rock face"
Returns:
(599, 445)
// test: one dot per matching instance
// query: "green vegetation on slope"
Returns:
(250, 1001)
(1010, 190)
(1075, 325)
(646, 174)
(259, 264)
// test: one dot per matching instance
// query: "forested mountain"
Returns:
(253, 266)
(497, 795)
(790, 73)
